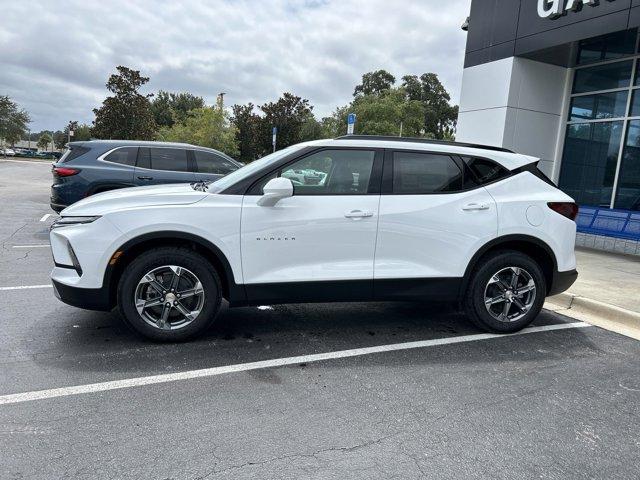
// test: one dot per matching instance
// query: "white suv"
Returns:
(392, 219)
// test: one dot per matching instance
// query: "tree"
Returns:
(387, 113)
(168, 108)
(288, 114)
(44, 141)
(440, 116)
(374, 83)
(207, 126)
(127, 114)
(82, 133)
(13, 121)
(248, 125)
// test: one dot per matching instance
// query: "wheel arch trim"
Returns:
(505, 240)
(235, 292)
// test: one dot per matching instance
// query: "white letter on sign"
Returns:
(550, 8)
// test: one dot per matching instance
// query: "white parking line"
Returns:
(278, 362)
(45, 216)
(26, 287)
(44, 245)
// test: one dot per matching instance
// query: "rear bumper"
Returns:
(87, 298)
(562, 281)
(57, 207)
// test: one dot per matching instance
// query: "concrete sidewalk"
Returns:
(607, 292)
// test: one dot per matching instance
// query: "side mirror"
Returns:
(275, 190)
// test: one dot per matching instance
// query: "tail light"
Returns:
(65, 171)
(566, 209)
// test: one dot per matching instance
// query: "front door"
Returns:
(319, 243)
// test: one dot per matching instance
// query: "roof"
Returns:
(506, 158)
(145, 143)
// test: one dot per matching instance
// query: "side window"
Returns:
(331, 172)
(207, 162)
(123, 156)
(481, 171)
(425, 173)
(172, 159)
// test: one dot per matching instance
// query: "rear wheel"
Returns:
(506, 292)
(169, 294)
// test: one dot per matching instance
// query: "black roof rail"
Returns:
(423, 140)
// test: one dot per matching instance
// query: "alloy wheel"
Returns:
(169, 297)
(510, 294)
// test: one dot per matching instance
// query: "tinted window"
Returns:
(331, 172)
(589, 162)
(424, 173)
(607, 47)
(123, 156)
(207, 162)
(603, 77)
(599, 107)
(628, 194)
(72, 153)
(173, 159)
(481, 171)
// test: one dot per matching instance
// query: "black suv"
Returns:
(100, 165)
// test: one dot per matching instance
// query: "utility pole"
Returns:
(400, 129)
(220, 100)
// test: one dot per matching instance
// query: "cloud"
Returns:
(55, 64)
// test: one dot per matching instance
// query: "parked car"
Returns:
(7, 152)
(394, 219)
(98, 166)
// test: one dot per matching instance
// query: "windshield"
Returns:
(247, 170)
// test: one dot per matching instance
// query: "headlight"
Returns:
(66, 221)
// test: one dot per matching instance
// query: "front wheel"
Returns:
(169, 294)
(506, 292)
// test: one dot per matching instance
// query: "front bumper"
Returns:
(87, 298)
(562, 281)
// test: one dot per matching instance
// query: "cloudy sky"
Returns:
(55, 56)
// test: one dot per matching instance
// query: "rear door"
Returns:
(159, 165)
(432, 221)
(211, 166)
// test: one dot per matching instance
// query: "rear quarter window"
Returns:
(72, 153)
(123, 156)
(481, 171)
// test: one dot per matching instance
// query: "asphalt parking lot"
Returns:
(559, 401)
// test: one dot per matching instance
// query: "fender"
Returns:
(505, 240)
(236, 293)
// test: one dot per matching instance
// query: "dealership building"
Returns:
(560, 80)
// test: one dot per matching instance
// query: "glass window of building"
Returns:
(601, 157)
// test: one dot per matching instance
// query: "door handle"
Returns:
(475, 206)
(145, 178)
(358, 214)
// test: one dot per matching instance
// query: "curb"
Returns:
(609, 317)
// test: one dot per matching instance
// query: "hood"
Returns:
(135, 197)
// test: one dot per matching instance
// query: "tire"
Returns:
(150, 306)
(492, 280)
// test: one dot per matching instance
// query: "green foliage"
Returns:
(248, 125)
(127, 114)
(169, 108)
(374, 83)
(386, 113)
(44, 141)
(206, 126)
(290, 114)
(440, 117)
(13, 121)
